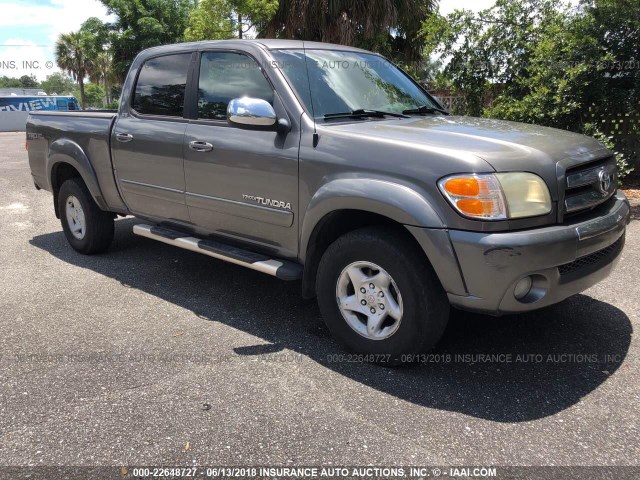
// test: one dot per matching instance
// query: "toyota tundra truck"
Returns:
(329, 165)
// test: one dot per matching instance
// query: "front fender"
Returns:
(394, 201)
(64, 150)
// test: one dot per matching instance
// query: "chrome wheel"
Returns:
(369, 300)
(75, 217)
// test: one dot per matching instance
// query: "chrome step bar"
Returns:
(283, 269)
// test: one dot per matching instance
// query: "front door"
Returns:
(244, 183)
(147, 142)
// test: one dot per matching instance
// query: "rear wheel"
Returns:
(378, 295)
(87, 228)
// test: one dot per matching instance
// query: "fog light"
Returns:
(523, 287)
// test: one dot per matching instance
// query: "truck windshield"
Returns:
(340, 82)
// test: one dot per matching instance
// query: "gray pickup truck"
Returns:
(329, 165)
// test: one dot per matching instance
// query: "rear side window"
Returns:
(161, 86)
(225, 76)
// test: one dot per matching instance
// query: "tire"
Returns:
(88, 229)
(420, 301)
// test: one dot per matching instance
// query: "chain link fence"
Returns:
(624, 128)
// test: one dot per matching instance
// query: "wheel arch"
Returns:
(65, 160)
(345, 205)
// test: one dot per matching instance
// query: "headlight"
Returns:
(497, 196)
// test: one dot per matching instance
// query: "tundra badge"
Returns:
(267, 201)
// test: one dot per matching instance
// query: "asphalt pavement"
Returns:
(148, 354)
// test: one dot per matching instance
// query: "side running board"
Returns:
(282, 269)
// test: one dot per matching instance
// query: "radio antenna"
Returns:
(313, 112)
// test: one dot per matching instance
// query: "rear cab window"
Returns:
(161, 86)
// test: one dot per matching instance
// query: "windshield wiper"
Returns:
(424, 109)
(362, 113)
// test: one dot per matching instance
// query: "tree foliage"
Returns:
(29, 81)
(615, 25)
(25, 81)
(211, 20)
(143, 24)
(491, 48)
(255, 13)
(101, 72)
(8, 82)
(85, 53)
(543, 62)
(99, 32)
(73, 55)
(546, 63)
(58, 83)
(222, 19)
(387, 26)
(94, 95)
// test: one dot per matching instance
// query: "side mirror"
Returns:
(251, 113)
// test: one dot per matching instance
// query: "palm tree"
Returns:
(101, 71)
(353, 22)
(73, 54)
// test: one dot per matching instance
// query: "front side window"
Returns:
(225, 76)
(344, 81)
(161, 86)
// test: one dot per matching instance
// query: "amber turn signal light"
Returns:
(463, 186)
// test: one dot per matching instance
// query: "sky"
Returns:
(29, 29)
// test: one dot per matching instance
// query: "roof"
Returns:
(278, 44)
(268, 43)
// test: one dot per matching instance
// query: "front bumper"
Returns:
(562, 260)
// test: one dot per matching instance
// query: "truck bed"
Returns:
(76, 134)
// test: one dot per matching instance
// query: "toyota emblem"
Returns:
(605, 181)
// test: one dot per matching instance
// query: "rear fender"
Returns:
(64, 150)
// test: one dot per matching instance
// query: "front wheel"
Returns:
(379, 295)
(87, 228)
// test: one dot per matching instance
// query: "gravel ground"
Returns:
(152, 355)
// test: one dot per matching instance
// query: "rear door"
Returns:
(148, 137)
(245, 186)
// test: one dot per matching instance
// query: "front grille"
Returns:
(589, 185)
(590, 263)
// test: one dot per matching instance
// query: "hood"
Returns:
(506, 146)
